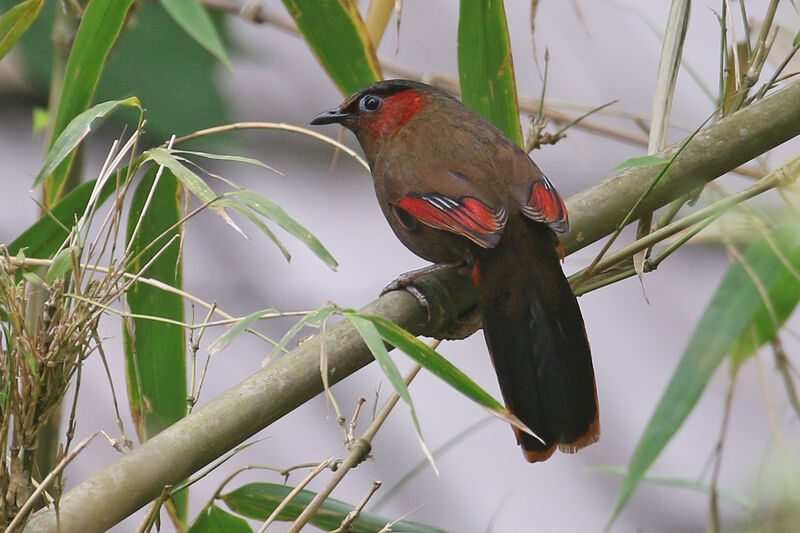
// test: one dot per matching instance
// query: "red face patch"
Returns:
(395, 112)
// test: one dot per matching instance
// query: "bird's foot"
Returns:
(406, 280)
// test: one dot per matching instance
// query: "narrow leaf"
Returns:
(668, 67)
(239, 158)
(274, 212)
(682, 483)
(258, 500)
(16, 21)
(62, 263)
(235, 330)
(193, 183)
(644, 161)
(216, 520)
(192, 17)
(337, 36)
(485, 66)
(77, 130)
(252, 217)
(782, 296)
(155, 351)
(188, 179)
(100, 26)
(313, 319)
(432, 361)
(737, 304)
(375, 344)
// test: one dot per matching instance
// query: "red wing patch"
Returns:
(545, 205)
(467, 216)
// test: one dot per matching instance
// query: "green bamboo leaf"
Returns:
(374, 342)
(100, 26)
(258, 500)
(188, 179)
(781, 299)
(252, 217)
(194, 184)
(682, 483)
(274, 212)
(314, 319)
(192, 17)
(62, 263)
(485, 65)
(337, 36)
(166, 57)
(435, 363)
(234, 331)
(238, 158)
(33, 278)
(16, 21)
(77, 130)
(155, 351)
(216, 520)
(736, 306)
(644, 161)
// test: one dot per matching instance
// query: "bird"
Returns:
(456, 190)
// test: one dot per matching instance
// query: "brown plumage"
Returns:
(456, 190)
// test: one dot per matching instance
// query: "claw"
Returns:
(407, 279)
(416, 293)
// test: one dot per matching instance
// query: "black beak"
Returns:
(332, 116)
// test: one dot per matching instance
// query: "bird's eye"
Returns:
(371, 103)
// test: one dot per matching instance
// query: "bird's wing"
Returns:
(542, 203)
(449, 201)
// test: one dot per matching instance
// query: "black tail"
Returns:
(535, 334)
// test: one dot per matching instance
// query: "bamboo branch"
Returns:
(128, 484)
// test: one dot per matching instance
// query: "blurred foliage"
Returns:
(155, 60)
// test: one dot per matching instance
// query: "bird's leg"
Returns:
(407, 279)
(410, 280)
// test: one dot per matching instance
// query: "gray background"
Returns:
(484, 482)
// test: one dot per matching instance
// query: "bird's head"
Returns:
(380, 110)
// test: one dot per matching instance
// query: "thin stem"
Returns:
(713, 211)
(26, 507)
(300, 486)
(359, 449)
(272, 126)
(713, 511)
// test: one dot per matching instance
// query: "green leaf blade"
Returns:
(643, 161)
(155, 351)
(338, 37)
(100, 27)
(485, 65)
(736, 306)
(258, 500)
(216, 520)
(16, 21)
(274, 212)
(433, 362)
(76, 131)
(374, 342)
(234, 331)
(192, 17)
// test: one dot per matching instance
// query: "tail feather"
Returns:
(535, 334)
